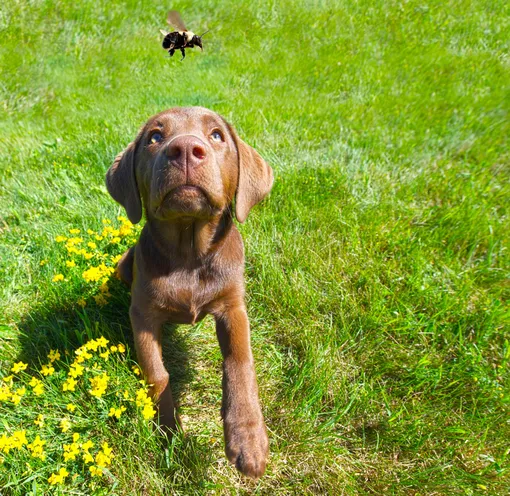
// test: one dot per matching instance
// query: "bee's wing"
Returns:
(174, 19)
(163, 32)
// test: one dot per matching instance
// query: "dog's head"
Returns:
(188, 162)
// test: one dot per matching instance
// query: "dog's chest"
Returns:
(187, 295)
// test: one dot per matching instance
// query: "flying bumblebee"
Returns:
(181, 39)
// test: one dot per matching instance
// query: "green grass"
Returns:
(377, 271)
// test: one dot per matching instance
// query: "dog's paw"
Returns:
(247, 446)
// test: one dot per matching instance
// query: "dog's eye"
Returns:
(155, 138)
(216, 136)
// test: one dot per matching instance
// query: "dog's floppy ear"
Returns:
(121, 183)
(254, 181)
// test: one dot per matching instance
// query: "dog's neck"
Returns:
(189, 239)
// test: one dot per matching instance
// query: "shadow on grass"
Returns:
(67, 326)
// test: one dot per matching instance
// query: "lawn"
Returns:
(377, 270)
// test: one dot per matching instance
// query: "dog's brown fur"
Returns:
(189, 260)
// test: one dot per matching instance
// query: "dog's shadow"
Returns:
(66, 326)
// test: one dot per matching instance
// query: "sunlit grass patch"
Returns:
(56, 416)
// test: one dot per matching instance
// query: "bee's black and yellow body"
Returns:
(180, 40)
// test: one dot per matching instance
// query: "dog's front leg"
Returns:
(246, 442)
(147, 337)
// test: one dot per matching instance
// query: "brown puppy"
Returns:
(184, 169)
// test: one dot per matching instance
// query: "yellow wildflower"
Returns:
(19, 439)
(59, 477)
(81, 302)
(76, 370)
(76, 436)
(107, 221)
(102, 341)
(90, 232)
(39, 421)
(47, 370)
(126, 395)
(53, 355)
(88, 255)
(18, 367)
(60, 239)
(115, 258)
(71, 451)
(116, 412)
(100, 300)
(43, 262)
(70, 407)
(69, 384)
(99, 385)
(114, 348)
(38, 389)
(74, 231)
(5, 392)
(36, 448)
(92, 245)
(135, 369)
(65, 425)
(17, 395)
(87, 445)
(8, 378)
(104, 457)
(95, 471)
(70, 263)
(99, 238)
(121, 348)
(105, 355)
(58, 277)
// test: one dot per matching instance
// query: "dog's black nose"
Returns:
(186, 151)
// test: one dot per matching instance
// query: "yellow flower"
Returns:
(99, 238)
(116, 240)
(100, 300)
(76, 436)
(17, 395)
(43, 262)
(92, 245)
(102, 341)
(107, 221)
(18, 367)
(58, 277)
(39, 421)
(121, 348)
(8, 378)
(47, 370)
(5, 392)
(70, 263)
(53, 355)
(104, 457)
(135, 369)
(65, 425)
(82, 353)
(60, 239)
(126, 395)
(36, 447)
(105, 355)
(95, 471)
(71, 451)
(39, 389)
(90, 232)
(114, 348)
(76, 370)
(115, 258)
(59, 477)
(74, 231)
(99, 385)
(87, 445)
(88, 255)
(19, 439)
(69, 384)
(70, 407)
(116, 412)
(81, 302)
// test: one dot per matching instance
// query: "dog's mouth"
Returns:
(186, 199)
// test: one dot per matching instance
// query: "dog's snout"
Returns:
(186, 151)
